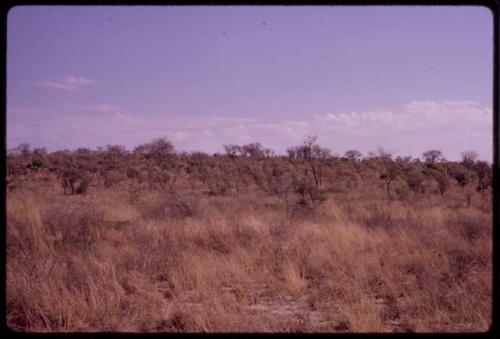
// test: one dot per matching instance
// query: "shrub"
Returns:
(36, 164)
(402, 192)
(84, 184)
(470, 226)
(442, 181)
(173, 206)
(181, 205)
(112, 178)
(74, 227)
(75, 181)
(415, 179)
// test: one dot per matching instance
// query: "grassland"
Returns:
(132, 259)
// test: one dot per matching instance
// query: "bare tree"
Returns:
(392, 172)
(469, 158)
(315, 156)
(254, 150)
(233, 151)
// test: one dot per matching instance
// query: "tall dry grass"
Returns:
(115, 260)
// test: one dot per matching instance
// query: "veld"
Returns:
(153, 240)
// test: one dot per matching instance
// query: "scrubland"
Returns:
(348, 256)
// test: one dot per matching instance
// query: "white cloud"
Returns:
(69, 83)
(409, 129)
(415, 116)
(412, 128)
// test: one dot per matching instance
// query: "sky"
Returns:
(405, 78)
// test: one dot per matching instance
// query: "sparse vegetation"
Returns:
(153, 240)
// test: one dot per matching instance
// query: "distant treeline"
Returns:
(307, 170)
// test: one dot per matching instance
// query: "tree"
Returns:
(464, 177)
(200, 166)
(352, 155)
(21, 149)
(415, 178)
(35, 164)
(163, 169)
(160, 151)
(40, 151)
(392, 172)
(74, 180)
(440, 174)
(253, 150)
(315, 156)
(484, 175)
(381, 154)
(469, 158)
(232, 151)
(294, 153)
(433, 156)
(268, 152)
(442, 181)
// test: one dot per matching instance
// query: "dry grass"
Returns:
(114, 260)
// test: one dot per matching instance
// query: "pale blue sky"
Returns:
(404, 78)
